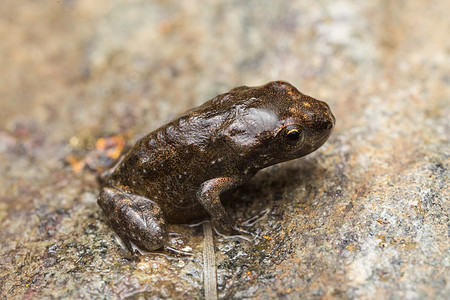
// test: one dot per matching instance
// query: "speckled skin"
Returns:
(178, 172)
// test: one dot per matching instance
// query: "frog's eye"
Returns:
(294, 135)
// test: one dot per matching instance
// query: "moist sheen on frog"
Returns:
(178, 172)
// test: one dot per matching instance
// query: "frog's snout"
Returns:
(327, 120)
(324, 125)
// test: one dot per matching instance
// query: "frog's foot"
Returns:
(253, 220)
(136, 219)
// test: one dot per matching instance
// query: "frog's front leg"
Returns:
(209, 196)
(135, 218)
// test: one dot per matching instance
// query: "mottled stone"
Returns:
(367, 216)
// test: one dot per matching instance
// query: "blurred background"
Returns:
(366, 216)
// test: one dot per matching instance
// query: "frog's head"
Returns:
(304, 122)
(282, 124)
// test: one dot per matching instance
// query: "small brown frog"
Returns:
(178, 172)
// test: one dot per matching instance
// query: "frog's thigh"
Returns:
(209, 196)
(134, 218)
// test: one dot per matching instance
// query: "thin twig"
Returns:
(209, 263)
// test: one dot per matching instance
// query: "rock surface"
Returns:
(366, 216)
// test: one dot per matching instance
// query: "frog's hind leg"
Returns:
(135, 218)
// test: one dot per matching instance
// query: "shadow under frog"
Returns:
(178, 172)
(270, 187)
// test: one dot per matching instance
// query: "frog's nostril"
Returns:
(327, 123)
(323, 125)
(330, 120)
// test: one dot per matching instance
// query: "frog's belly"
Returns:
(187, 214)
(180, 206)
